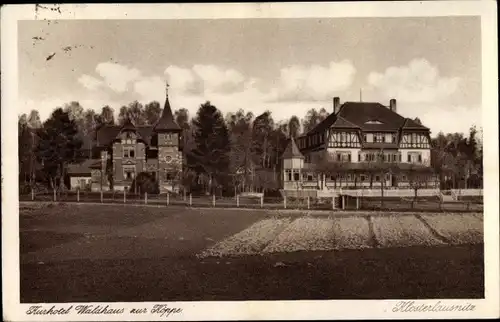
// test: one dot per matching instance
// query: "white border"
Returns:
(328, 309)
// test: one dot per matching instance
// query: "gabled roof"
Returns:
(368, 116)
(292, 151)
(360, 113)
(108, 133)
(128, 125)
(83, 168)
(411, 124)
(343, 123)
(166, 121)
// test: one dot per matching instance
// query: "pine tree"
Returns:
(211, 154)
(58, 145)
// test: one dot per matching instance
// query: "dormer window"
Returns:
(373, 122)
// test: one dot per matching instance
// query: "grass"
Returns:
(81, 253)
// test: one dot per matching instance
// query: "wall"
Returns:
(74, 182)
(426, 155)
(354, 152)
(293, 163)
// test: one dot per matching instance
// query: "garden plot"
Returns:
(250, 241)
(457, 228)
(309, 234)
(402, 231)
(351, 233)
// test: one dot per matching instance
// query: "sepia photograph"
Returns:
(248, 157)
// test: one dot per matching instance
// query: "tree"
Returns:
(240, 132)
(152, 112)
(144, 182)
(187, 141)
(211, 154)
(262, 141)
(58, 146)
(25, 149)
(417, 178)
(313, 118)
(135, 111)
(34, 121)
(106, 117)
(294, 126)
(329, 166)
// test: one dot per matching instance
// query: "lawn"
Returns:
(122, 253)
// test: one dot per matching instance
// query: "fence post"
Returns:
(190, 200)
(308, 202)
(237, 200)
(102, 199)
(124, 196)
(343, 202)
(55, 195)
(32, 194)
(146, 198)
(262, 201)
(284, 201)
(213, 200)
(333, 202)
(77, 195)
(168, 198)
(357, 202)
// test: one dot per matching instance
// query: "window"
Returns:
(129, 172)
(339, 157)
(296, 176)
(420, 158)
(310, 177)
(362, 177)
(129, 152)
(288, 175)
(170, 176)
(349, 178)
(377, 178)
(359, 157)
(364, 137)
(409, 158)
(404, 178)
(332, 177)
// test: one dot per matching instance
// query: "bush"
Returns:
(145, 182)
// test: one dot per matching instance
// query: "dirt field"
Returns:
(121, 253)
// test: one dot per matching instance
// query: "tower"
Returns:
(168, 135)
(293, 162)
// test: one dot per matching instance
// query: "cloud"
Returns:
(218, 80)
(313, 83)
(184, 80)
(418, 82)
(90, 82)
(117, 77)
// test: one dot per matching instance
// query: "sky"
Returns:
(431, 65)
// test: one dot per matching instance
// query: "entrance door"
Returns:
(394, 181)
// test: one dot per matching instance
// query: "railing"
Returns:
(335, 200)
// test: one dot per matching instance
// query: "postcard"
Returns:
(250, 161)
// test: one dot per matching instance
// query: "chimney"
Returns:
(393, 106)
(336, 105)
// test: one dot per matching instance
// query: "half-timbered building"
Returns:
(360, 145)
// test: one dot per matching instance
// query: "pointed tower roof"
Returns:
(166, 121)
(292, 151)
